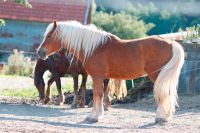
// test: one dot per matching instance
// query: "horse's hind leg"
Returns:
(161, 114)
(58, 85)
(83, 90)
(97, 110)
(48, 91)
(107, 99)
(76, 99)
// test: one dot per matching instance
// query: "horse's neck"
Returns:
(80, 54)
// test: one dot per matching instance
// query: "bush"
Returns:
(122, 24)
(18, 64)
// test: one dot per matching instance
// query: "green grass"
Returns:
(31, 92)
(26, 93)
(9, 76)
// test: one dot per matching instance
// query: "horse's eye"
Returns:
(49, 36)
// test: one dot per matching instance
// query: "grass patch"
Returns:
(25, 93)
(10, 76)
(30, 92)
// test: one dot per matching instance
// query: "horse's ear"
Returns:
(55, 23)
(54, 28)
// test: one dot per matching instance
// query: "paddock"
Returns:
(24, 116)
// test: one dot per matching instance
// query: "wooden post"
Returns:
(89, 20)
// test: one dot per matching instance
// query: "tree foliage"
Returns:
(164, 20)
(24, 2)
(2, 22)
(167, 16)
(122, 24)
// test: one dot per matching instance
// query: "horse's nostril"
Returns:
(41, 52)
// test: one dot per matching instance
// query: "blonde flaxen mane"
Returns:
(74, 35)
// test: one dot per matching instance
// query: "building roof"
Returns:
(45, 10)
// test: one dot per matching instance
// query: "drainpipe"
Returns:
(85, 21)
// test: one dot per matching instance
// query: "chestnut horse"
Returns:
(106, 56)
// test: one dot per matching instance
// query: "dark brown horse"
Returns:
(60, 64)
(106, 56)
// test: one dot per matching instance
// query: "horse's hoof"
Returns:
(74, 106)
(59, 104)
(160, 120)
(90, 104)
(106, 108)
(82, 105)
(91, 119)
(46, 100)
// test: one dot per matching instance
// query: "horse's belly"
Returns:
(116, 65)
(126, 73)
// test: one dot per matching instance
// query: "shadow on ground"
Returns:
(29, 110)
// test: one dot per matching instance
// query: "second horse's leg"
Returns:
(83, 90)
(76, 99)
(58, 85)
(107, 99)
(48, 91)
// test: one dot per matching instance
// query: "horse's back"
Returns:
(67, 64)
(128, 59)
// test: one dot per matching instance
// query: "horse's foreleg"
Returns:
(83, 90)
(48, 91)
(107, 99)
(58, 85)
(76, 99)
(97, 111)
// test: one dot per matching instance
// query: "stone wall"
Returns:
(189, 82)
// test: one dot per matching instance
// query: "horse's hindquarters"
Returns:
(165, 87)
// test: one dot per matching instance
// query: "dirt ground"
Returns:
(9, 82)
(18, 116)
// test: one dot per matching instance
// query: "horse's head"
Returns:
(50, 42)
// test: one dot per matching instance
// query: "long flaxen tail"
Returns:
(165, 86)
(117, 88)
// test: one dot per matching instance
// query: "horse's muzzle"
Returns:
(41, 53)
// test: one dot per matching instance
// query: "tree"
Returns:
(167, 16)
(122, 24)
(21, 2)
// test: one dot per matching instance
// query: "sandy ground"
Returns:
(134, 117)
(9, 82)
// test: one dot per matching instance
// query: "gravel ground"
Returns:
(22, 115)
(15, 82)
